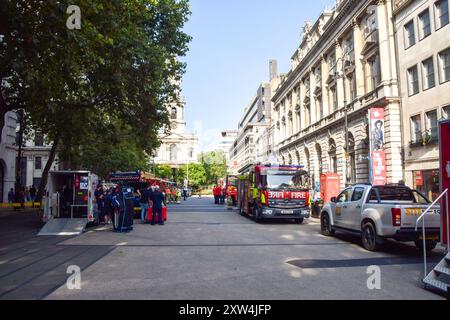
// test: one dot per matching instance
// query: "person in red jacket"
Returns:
(216, 195)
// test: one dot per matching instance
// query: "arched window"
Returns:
(332, 155)
(290, 159)
(173, 113)
(173, 152)
(319, 157)
(351, 160)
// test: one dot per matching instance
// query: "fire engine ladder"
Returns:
(439, 278)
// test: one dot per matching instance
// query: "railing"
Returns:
(422, 217)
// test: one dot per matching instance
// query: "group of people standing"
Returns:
(108, 203)
(219, 195)
(154, 198)
(22, 195)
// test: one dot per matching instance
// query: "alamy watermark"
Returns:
(74, 280)
(74, 20)
(374, 280)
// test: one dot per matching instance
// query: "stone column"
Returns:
(312, 85)
(324, 67)
(359, 67)
(384, 45)
(302, 110)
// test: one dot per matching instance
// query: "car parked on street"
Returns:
(381, 212)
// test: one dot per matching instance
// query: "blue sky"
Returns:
(233, 41)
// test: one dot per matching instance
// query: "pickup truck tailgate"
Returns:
(410, 214)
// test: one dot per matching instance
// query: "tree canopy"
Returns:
(118, 72)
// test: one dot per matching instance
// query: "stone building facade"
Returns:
(344, 66)
(423, 43)
(254, 137)
(8, 154)
(179, 147)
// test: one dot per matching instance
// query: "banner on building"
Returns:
(377, 143)
(444, 134)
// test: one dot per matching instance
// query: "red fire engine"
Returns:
(275, 192)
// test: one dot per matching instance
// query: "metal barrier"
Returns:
(422, 217)
(19, 205)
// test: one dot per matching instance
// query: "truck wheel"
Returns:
(325, 226)
(369, 237)
(429, 245)
(299, 221)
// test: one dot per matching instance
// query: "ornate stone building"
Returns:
(344, 66)
(179, 147)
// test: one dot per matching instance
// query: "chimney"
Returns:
(273, 66)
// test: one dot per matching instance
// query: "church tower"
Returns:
(177, 121)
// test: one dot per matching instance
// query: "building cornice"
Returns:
(399, 5)
(330, 29)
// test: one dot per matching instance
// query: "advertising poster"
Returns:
(445, 172)
(377, 151)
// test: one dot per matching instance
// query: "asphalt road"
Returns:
(204, 252)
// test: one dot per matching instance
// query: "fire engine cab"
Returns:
(275, 192)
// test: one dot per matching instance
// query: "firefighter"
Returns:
(216, 194)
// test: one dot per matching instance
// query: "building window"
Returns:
(38, 163)
(428, 74)
(307, 86)
(425, 25)
(332, 64)
(332, 154)
(319, 108)
(173, 113)
(173, 152)
(410, 35)
(446, 112)
(333, 99)
(416, 129)
(413, 81)
(38, 139)
(442, 17)
(444, 62)
(373, 76)
(431, 125)
(318, 76)
(371, 25)
(427, 182)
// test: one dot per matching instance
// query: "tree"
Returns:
(120, 66)
(215, 165)
(197, 174)
(163, 171)
(104, 155)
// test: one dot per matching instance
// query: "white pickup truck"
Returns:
(381, 212)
